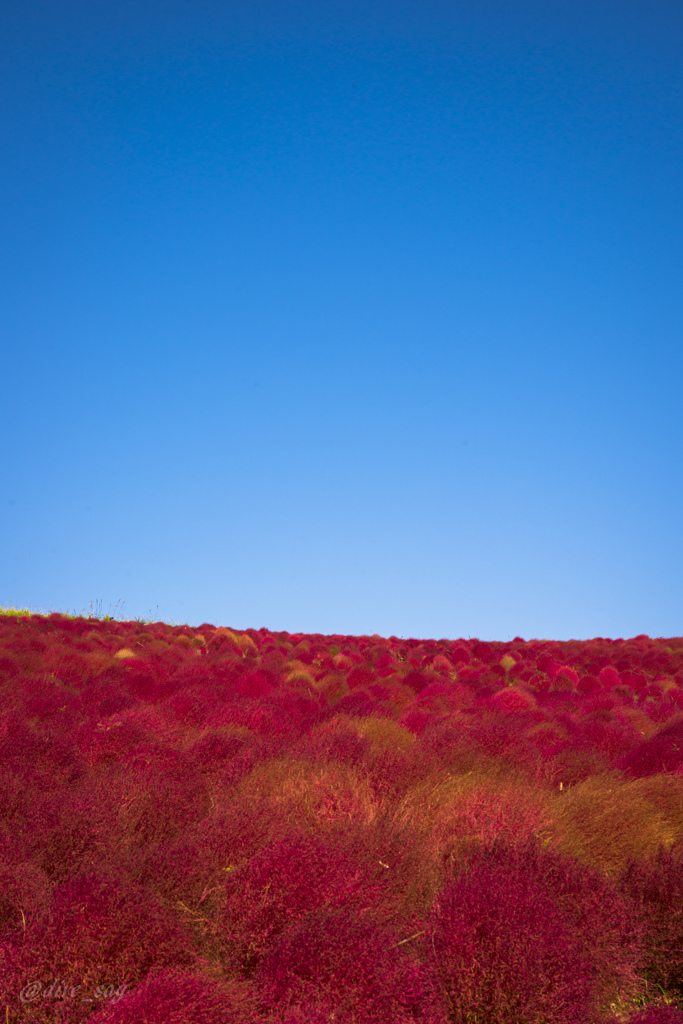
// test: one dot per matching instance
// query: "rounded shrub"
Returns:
(658, 1013)
(284, 881)
(505, 954)
(335, 964)
(97, 930)
(173, 996)
(655, 886)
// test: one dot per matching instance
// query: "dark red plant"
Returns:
(656, 889)
(658, 1013)
(280, 884)
(335, 964)
(662, 752)
(590, 908)
(174, 996)
(505, 954)
(98, 930)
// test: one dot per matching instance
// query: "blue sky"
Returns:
(344, 318)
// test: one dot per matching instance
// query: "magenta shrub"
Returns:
(361, 704)
(62, 837)
(98, 930)
(232, 755)
(177, 871)
(658, 1013)
(173, 996)
(505, 954)
(335, 964)
(333, 743)
(656, 890)
(662, 752)
(164, 802)
(25, 892)
(415, 719)
(416, 680)
(595, 908)
(291, 876)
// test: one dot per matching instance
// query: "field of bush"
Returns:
(214, 826)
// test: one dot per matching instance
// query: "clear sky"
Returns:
(344, 317)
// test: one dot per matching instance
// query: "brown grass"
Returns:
(607, 819)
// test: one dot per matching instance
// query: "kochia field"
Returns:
(217, 826)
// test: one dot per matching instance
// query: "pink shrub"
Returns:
(112, 700)
(233, 755)
(232, 834)
(173, 996)
(259, 715)
(25, 891)
(504, 953)
(397, 856)
(97, 931)
(658, 1013)
(113, 740)
(192, 705)
(61, 832)
(636, 680)
(390, 772)
(334, 964)
(514, 700)
(276, 887)
(302, 707)
(565, 677)
(609, 677)
(417, 680)
(333, 741)
(415, 719)
(254, 684)
(51, 760)
(459, 655)
(362, 675)
(595, 908)
(656, 889)
(662, 752)
(449, 742)
(187, 878)
(155, 803)
(361, 704)
(44, 698)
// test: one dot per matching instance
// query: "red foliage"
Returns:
(609, 677)
(459, 655)
(503, 952)
(415, 720)
(656, 890)
(360, 676)
(98, 931)
(173, 996)
(662, 752)
(658, 1012)
(285, 880)
(335, 964)
(416, 680)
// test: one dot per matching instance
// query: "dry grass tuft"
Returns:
(608, 819)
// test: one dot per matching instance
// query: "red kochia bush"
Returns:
(504, 953)
(599, 914)
(174, 996)
(360, 676)
(338, 965)
(662, 752)
(658, 1013)
(97, 931)
(282, 882)
(656, 888)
